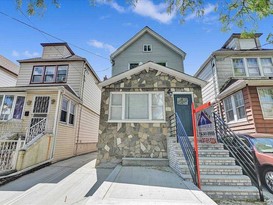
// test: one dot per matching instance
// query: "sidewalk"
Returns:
(147, 185)
(77, 181)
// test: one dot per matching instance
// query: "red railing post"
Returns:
(196, 145)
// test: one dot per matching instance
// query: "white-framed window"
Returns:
(267, 66)
(11, 107)
(266, 101)
(235, 107)
(137, 107)
(253, 67)
(68, 111)
(147, 48)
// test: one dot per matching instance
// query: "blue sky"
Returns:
(105, 27)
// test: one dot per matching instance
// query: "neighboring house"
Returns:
(8, 72)
(146, 46)
(239, 77)
(56, 95)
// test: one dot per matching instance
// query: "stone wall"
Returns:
(117, 140)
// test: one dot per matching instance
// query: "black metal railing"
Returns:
(177, 130)
(243, 154)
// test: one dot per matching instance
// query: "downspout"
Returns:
(55, 128)
(80, 112)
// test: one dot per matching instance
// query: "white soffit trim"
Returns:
(151, 65)
(240, 84)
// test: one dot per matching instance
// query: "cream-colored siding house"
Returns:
(8, 72)
(55, 104)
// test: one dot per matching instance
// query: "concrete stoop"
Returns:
(220, 177)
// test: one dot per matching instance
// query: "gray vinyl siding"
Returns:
(134, 54)
(91, 93)
(224, 70)
(74, 78)
(7, 79)
(210, 91)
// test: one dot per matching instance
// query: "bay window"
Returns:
(137, 106)
(11, 106)
(266, 101)
(235, 107)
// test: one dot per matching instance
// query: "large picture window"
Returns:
(252, 67)
(266, 101)
(11, 106)
(235, 107)
(137, 107)
(49, 74)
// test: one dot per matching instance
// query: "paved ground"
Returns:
(77, 181)
(147, 185)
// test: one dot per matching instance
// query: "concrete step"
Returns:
(211, 161)
(126, 161)
(207, 153)
(212, 170)
(222, 180)
(231, 192)
(204, 146)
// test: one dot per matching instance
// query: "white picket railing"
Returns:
(9, 128)
(36, 130)
(8, 154)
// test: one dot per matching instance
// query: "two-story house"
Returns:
(8, 72)
(55, 105)
(146, 46)
(239, 77)
(148, 85)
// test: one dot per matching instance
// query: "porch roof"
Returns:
(239, 84)
(152, 65)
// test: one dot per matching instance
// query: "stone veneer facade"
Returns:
(140, 140)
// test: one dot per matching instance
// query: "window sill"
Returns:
(238, 121)
(135, 121)
(66, 124)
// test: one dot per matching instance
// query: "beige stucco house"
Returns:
(54, 106)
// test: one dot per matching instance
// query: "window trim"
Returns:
(13, 105)
(150, 120)
(43, 75)
(234, 108)
(69, 102)
(261, 88)
(246, 67)
(146, 44)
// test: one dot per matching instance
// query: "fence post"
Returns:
(16, 152)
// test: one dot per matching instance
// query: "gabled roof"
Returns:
(238, 35)
(8, 65)
(155, 66)
(146, 29)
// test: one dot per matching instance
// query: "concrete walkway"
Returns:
(77, 181)
(147, 185)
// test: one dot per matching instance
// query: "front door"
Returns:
(40, 109)
(182, 106)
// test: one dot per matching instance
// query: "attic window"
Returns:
(147, 48)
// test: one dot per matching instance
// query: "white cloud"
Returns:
(15, 53)
(26, 53)
(209, 8)
(105, 17)
(155, 11)
(99, 44)
(30, 55)
(113, 4)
